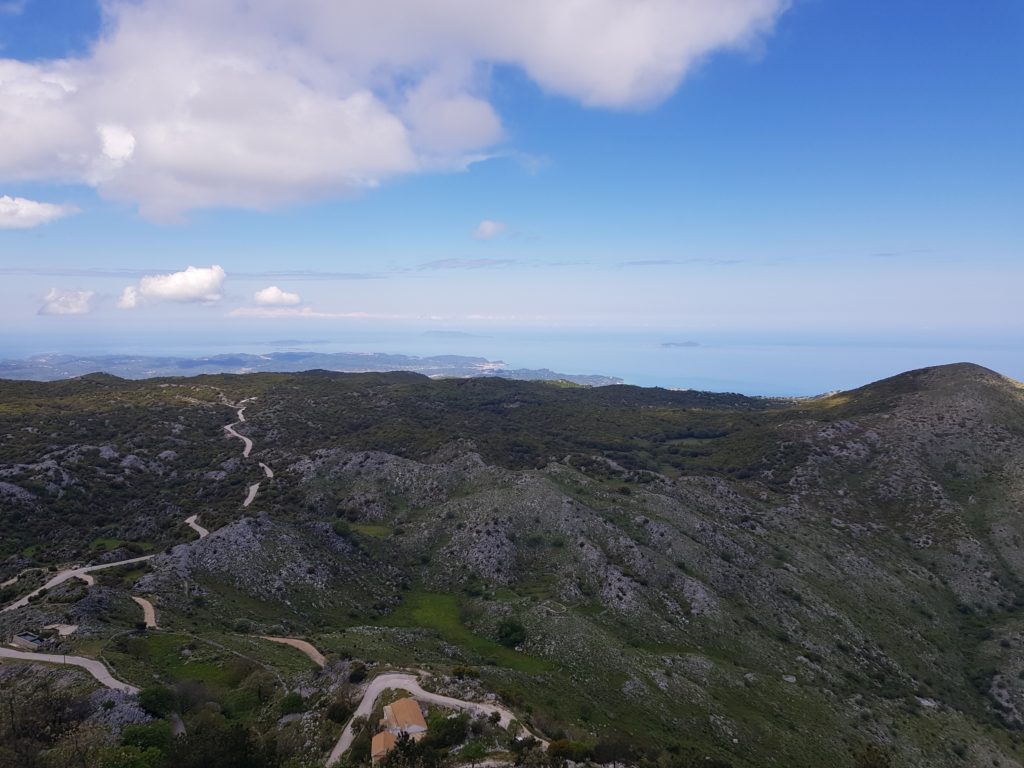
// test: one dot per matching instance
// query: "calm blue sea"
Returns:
(749, 364)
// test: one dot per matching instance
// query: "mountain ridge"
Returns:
(702, 573)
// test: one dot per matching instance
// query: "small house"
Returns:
(382, 743)
(401, 717)
(27, 641)
(404, 716)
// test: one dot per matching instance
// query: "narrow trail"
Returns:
(195, 526)
(300, 645)
(95, 668)
(410, 683)
(148, 612)
(247, 446)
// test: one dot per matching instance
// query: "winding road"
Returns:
(247, 444)
(230, 429)
(95, 668)
(195, 526)
(410, 683)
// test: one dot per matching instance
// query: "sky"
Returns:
(818, 173)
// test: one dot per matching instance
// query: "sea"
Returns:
(795, 364)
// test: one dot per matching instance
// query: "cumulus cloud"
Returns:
(207, 103)
(487, 229)
(20, 213)
(61, 302)
(275, 297)
(195, 284)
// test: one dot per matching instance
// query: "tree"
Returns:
(445, 732)
(511, 632)
(614, 749)
(158, 700)
(473, 753)
(408, 753)
(156, 734)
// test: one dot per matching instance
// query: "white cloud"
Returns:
(19, 213)
(275, 297)
(210, 103)
(195, 284)
(488, 229)
(129, 298)
(60, 302)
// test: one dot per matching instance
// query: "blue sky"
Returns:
(848, 169)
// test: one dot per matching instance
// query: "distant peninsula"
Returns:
(54, 367)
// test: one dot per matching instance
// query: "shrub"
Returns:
(357, 673)
(156, 734)
(339, 711)
(292, 703)
(511, 632)
(158, 700)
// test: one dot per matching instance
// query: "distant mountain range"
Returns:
(54, 367)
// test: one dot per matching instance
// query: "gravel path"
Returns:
(230, 429)
(148, 612)
(195, 526)
(301, 645)
(251, 497)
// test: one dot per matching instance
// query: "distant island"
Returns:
(680, 344)
(54, 367)
(453, 335)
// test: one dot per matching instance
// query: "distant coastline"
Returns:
(57, 366)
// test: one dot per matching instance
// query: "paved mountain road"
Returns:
(73, 573)
(411, 684)
(95, 668)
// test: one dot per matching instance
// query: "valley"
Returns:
(665, 577)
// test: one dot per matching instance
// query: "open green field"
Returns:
(371, 529)
(428, 610)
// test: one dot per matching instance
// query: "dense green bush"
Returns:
(511, 632)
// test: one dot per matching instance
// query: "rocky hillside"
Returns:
(762, 582)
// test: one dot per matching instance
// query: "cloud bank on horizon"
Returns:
(200, 104)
